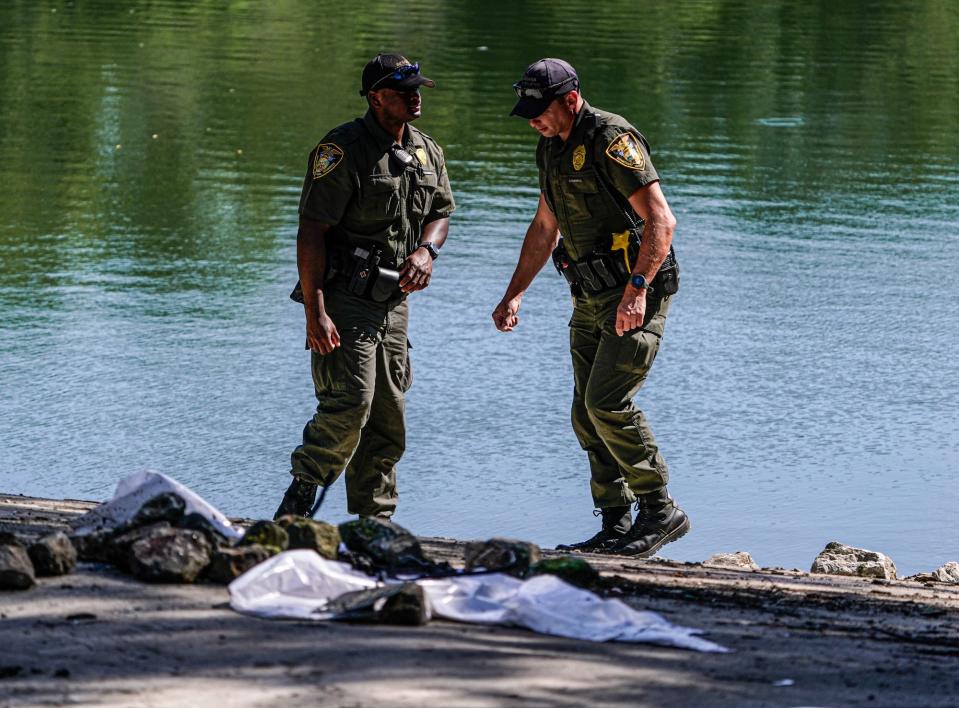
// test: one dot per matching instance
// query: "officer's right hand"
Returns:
(321, 333)
(504, 316)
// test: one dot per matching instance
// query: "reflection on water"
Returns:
(151, 156)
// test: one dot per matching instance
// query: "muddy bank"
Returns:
(99, 637)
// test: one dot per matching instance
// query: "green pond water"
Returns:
(151, 156)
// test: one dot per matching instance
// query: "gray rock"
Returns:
(319, 536)
(839, 559)
(16, 570)
(169, 555)
(501, 555)
(53, 555)
(739, 560)
(228, 564)
(118, 544)
(266, 533)
(93, 547)
(163, 507)
(948, 573)
(393, 604)
(10, 539)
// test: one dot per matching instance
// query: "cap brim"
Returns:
(530, 108)
(412, 82)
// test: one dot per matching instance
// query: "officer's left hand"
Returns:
(631, 310)
(416, 271)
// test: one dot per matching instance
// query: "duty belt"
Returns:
(605, 270)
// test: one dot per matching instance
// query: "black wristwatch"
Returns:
(639, 282)
(434, 254)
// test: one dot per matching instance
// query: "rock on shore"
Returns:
(53, 555)
(839, 559)
(16, 570)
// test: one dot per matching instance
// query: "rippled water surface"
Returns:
(151, 156)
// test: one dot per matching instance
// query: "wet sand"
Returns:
(97, 637)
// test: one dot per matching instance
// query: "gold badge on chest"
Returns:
(579, 157)
(421, 156)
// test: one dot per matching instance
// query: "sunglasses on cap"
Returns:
(533, 92)
(402, 72)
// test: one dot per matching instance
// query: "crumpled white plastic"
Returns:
(133, 491)
(298, 584)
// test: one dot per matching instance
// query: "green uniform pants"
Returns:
(608, 370)
(359, 422)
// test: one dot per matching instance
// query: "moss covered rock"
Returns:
(228, 564)
(502, 555)
(169, 555)
(574, 571)
(266, 533)
(382, 545)
(319, 536)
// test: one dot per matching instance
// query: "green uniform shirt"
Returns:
(587, 179)
(356, 183)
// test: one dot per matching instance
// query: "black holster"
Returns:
(603, 270)
(362, 273)
(367, 278)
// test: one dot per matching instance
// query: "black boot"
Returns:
(298, 499)
(616, 522)
(659, 522)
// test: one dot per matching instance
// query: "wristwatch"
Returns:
(639, 282)
(434, 254)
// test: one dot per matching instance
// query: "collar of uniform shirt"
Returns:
(384, 141)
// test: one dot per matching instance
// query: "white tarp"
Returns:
(298, 584)
(133, 491)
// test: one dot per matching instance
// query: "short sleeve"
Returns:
(328, 185)
(443, 204)
(624, 155)
(541, 163)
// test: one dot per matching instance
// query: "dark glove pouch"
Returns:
(666, 281)
(386, 284)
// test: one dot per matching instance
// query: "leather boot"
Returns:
(658, 522)
(616, 522)
(298, 499)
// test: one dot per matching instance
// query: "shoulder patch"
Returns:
(327, 157)
(626, 150)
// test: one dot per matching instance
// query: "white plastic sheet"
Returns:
(133, 491)
(298, 585)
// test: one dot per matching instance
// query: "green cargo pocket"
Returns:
(324, 368)
(401, 371)
(345, 367)
(408, 374)
(637, 350)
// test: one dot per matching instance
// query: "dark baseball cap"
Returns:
(392, 71)
(543, 81)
